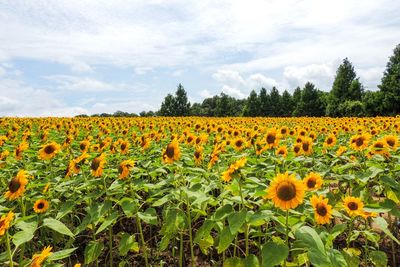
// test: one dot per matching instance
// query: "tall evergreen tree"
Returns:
(390, 84)
(252, 108)
(265, 103)
(275, 102)
(310, 103)
(287, 104)
(181, 103)
(340, 92)
(168, 106)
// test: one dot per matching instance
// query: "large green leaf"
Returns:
(236, 220)
(273, 253)
(149, 216)
(379, 258)
(225, 239)
(108, 221)
(309, 240)
(62, 254)
(127, 243)
(383, 225)
(57, 226)
(92, 251)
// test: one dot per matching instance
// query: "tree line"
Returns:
(347, 97)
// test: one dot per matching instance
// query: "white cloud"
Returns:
(232, 91)
(84, 84)
(205, 93)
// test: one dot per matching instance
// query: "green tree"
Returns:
(196, 110)
(275, 102)
(252, 108)
(265, 103)
(372, 102)
(168, 106)
(340, 92)
(310, 103)
(390, 84)
(181, 103)
(286, 104)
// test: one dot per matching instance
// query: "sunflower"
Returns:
(98, 165)
(38, 259)
(16, 187)
(124, 168)
(282, 151)
(353, 205)
(367, 214)
(49, 150)
(391, 141)
(285, 191)
(307, 145)
(40, 206)
(84, 145)
(359, 142)
(239, 144)
(233, 168)
(21, 148)
(272, 138)
(74, 165)
(124, 146)
(297, 149)
(341, 150)
(172, 152)
(330, 141)
(5, 221)
(198, 155)
(3, 158)
(312, 181)
(322, 210)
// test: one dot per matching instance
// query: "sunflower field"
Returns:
(199, 191)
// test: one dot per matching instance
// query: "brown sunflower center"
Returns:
(281, 152)
(352, 205)
(390, 142)
(49, 149)
(378, 145)
(170, 151)
(95, 164)
(321, 209)
(286, 191)
(120, 169)
(283, 131)
(40, 205)
(359, 141)
(305, 146)
(311, 182)
(82, 146)
(296, 149)
(329, 141)
(197, 154)
(123, 146)
(239, 143)
(270, 139)
(14, 185)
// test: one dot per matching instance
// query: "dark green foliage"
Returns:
(310, 103)
(287, 104)
(390, 84)
(177, 105)
(252, 108)
(275, 102)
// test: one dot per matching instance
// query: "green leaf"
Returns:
(205, 243)
(233, 262)
(351, 259)
(225, 239)
(57, 226)
(93, 251)
(273, 253)
(149, 216)
(309, 240)
(204, 230)
(379, 258)
(62, 254)
(251, 261)
(383, 225)
(129, 206)
(337, 258)
(236, 220)
(65, 209)
(108, 221)
(222, 212)
(22, 237)
(128, 243)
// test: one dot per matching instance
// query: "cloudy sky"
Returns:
(63, 58)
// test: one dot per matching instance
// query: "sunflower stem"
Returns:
(350, 230)
(190, 233)
(139, 225)
(22, 252)
(181, 249)
(9, 249)
(287, 233)
(110, 245)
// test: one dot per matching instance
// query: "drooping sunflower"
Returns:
(359, 142)
(330, 141)
(282, 151)
(313, 181)
(38, 259)
(322, 210)
(84, 145)
(233, 168)
(125, 167)
(3, 158)
(98, 165)
(19, 149)
(41, 206)
(198, 155)
(5, 221)
(171, 152)
(124, 146)
(353, 205)
(391, 141)
(16, 187)
(341, 150)
(49, 151)
(285, 191)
